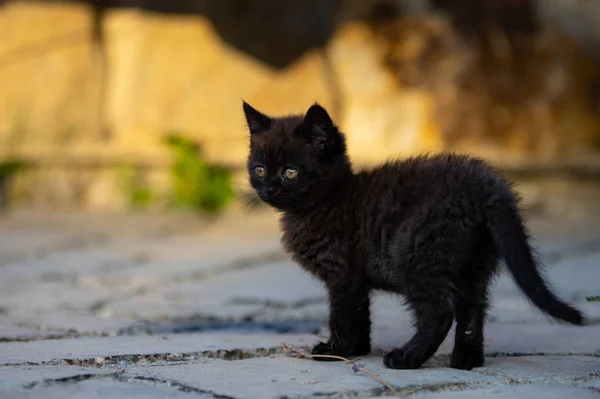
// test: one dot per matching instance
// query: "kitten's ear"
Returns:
(257, 121)
(318, 126)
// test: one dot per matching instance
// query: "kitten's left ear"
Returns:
(318, 126)
(256, 120)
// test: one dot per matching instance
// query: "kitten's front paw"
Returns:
(323, 348)
(401, 360)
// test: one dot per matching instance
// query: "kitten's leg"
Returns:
(349, 322)
(468, 341)
(470, 309)
(433, 320)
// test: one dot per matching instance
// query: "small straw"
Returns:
(288, 348)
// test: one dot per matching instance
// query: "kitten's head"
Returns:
(294, 160)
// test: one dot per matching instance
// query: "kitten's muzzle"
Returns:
(267, 194)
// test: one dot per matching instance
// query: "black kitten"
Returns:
(430, 228)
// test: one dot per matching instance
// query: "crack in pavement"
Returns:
(156, 358)
(181, 326)
(70, 380)
(268, 303)
(69, 244)
(444, 387)
(588, 378)
(136, 259)
(411, 390)
(121, 362)
(197, 323)
(171, 384)
(120, 377)
(247, 262)
(51, 334)
(52, 337)
(247, 324)
(401, 392)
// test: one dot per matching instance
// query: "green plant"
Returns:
(138, 194)
(196, 183)
(7, 169)
(593, 298)
(141, 197)
(10, 167)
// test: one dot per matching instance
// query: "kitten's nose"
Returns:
(269, 192)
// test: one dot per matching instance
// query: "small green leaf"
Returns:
(10, 167)
(593, 298)
(197, 184)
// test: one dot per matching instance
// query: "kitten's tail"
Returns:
(511, 238)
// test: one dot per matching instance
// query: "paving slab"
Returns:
(279, 285)
(195, 260)
(545, 391)
(13, 333)
(28, 241)
(86, 348)
(18, 377)
(592, 383)
(56, 295)
(544, 338)
(67, 321)
(279, 376)
(104, 389)
(102, 275)
(88, 310)
(528, 369)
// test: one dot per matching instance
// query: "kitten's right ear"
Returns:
(318, 126)
(257, 121)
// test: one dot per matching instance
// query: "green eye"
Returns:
(259, 171)
(290, 174)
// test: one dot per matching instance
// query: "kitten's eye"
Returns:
(259, 171)
(290, 174)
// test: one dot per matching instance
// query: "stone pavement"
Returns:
(143, 306)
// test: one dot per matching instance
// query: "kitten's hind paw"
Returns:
(401, 360)
(362, 348)
(464, 359)
(323, 348)
(336, 349)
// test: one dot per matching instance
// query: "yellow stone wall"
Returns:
(47, 77)
(80, 109)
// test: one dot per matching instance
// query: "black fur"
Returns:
(432, 228)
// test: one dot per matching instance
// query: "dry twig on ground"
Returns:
(288, 348)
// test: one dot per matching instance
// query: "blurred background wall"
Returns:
(89, 91)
